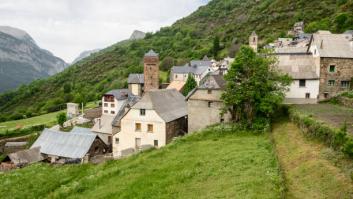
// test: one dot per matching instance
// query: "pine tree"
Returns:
(189, 85)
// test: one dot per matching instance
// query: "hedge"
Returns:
(21, 132)
(332, 137)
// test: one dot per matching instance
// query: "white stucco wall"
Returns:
(109, 108)
(136, 89)
(311, 86)
(128, 134)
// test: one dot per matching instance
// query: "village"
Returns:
(149, 115)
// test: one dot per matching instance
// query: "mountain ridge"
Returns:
(191, 37)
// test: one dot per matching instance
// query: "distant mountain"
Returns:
(85, 54)
(22, 61)
(137, 35)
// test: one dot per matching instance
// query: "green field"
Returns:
(216, 163)
(311, 170)
(46, 119)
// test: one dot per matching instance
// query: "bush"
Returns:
(23, 131)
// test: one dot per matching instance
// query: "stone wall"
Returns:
(204, 110)
(151, 73)
(345, 101)
(343, 72)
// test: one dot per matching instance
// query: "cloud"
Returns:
(68, 27)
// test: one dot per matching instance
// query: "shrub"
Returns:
(61, 119)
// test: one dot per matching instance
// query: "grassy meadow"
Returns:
(311, 170)
(216, 163)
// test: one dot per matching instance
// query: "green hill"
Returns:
(216, 163)
(189, 38)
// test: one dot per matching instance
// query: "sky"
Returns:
(69, 27)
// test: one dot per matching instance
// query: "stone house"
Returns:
(197, 68)
(333, 55)
(73, 110)
(21, 158)
(113, 103)
(152, 122)
(204, 104)
(76, 146)
(253, 41)
(321, 70)
(136, 83)
(300, 65)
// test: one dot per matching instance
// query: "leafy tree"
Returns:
(167, 63)
(189, 85)
(254, 88)
(67, 88)
(61, 119)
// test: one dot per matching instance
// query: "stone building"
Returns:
(152, 122)
(197, 68)
(333, 55)
(73, 110)
(253, 41)
(136, 83)
(151, 71)
(204, 104)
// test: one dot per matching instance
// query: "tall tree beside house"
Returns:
(189, 85)
(61, 119)
(254, 89)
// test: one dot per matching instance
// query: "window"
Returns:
(109, 98)
(112, 112)
(307, 95)
(150, 128)
(176, 76)
(302, 83)
(331, 82)
(209, 104)
(325, 95)
(116, 140)
(222, 120)
(142, 112)
(345, 84)
(332, 68)
(105, 111)
(105, 104)
(138, 127)
(112, 105)
(209, 91)
(155, 143)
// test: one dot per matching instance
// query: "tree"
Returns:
(61, 119)
(216, 47)
(167, 63)
(189, 85)
(254, 88)
(67, 88)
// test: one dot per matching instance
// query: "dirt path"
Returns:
(308, 174)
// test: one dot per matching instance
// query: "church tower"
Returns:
(151, 71)
(253, 39)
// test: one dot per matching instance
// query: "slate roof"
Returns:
(64, 144)
(331, 45)
(136, 79)
(127, 104)
(291, 50)
(298, 66)
(169, 104)
(197, 70)
(214, 81)
(151, 53)
(120, 94)
(26, 156)
(15, 144)
(199, 63)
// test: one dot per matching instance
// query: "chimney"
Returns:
(322, 44)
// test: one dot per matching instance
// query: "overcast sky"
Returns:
(68, 27)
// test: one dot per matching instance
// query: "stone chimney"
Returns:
(151, 71)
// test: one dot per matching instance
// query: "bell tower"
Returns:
(253, 41)
(151, 71)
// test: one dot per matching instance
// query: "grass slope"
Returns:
(46, 119)
(333, 115)
(216, 163)
(189, 38)
(308, 172)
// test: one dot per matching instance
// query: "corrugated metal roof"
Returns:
(168, 103)
(136, 79)
(77, 129)
(62, 144)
